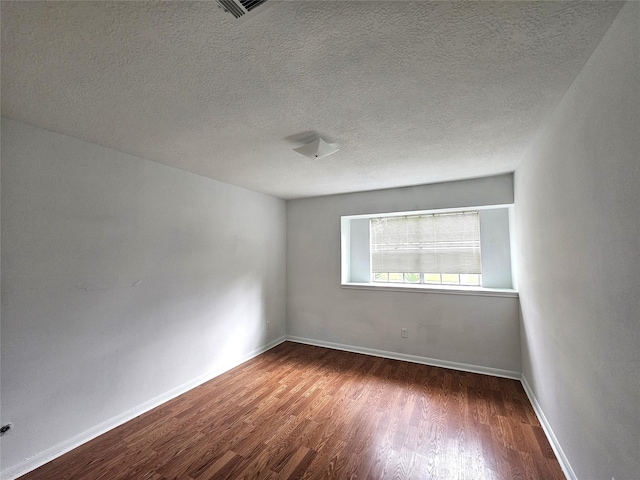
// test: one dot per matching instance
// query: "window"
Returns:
(464, 250)
(438, 248)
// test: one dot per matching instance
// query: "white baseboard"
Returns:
(555, 445)
(74, 442)
(465, 367)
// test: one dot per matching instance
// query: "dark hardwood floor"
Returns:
(299, 411)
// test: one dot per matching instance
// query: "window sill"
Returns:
(443, 289)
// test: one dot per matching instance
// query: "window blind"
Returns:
(436, 243)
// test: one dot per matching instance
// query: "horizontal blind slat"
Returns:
(448, 243)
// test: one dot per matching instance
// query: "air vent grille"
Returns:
(239, 8)
(251, 4)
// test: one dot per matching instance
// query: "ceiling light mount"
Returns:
(317, 149)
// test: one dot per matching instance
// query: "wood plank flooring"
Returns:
(306, 412)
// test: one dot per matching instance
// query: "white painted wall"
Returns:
(577, 200)
(481, 331)
(122, 280)
(495, 245)
(359, 260)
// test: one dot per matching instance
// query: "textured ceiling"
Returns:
(412, 92)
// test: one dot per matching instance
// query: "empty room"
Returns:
(320, 239)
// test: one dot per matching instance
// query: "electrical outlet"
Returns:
(404, 333)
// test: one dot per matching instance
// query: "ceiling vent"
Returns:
(243, 9)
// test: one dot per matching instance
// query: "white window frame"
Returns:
(496, 246)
